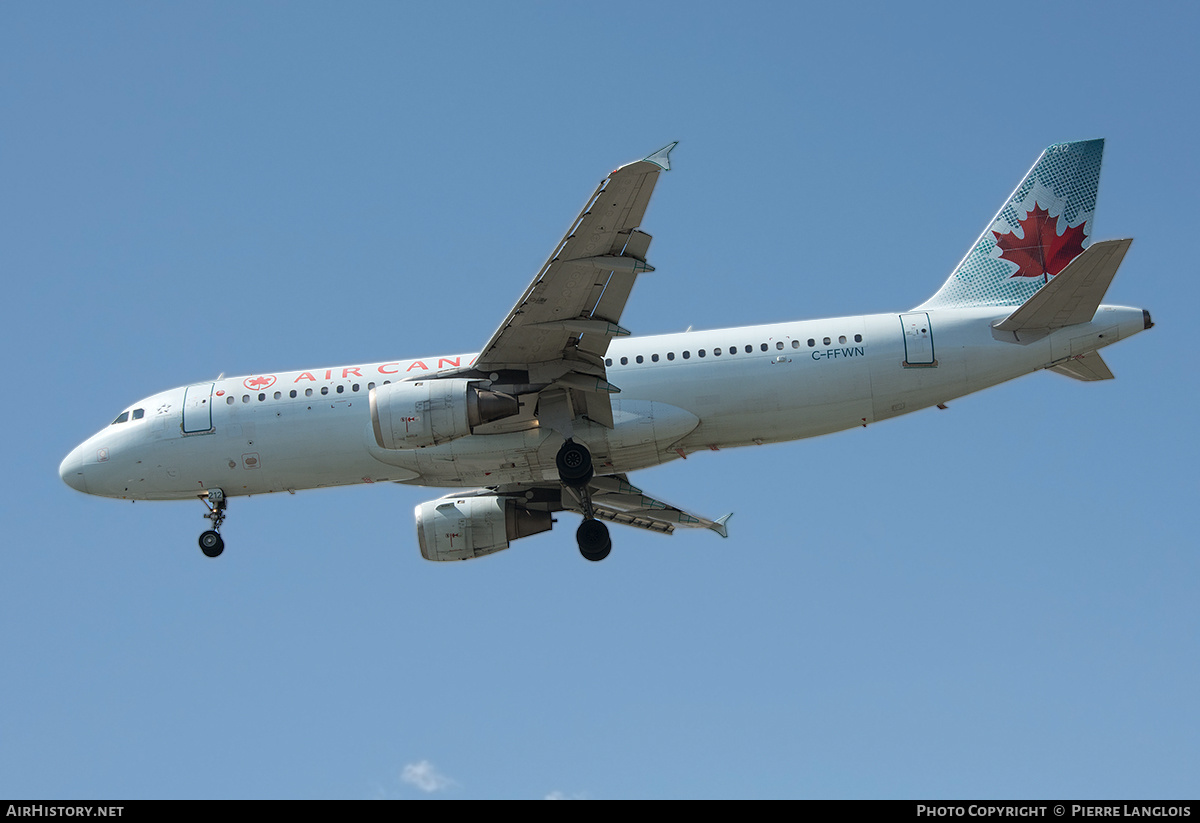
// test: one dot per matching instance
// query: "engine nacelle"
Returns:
(429, 412)
(465, 527)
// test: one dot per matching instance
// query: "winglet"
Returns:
(719, 525)
(661, 158)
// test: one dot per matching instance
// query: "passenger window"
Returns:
(858, 338)
(733, 349)
(700, 353)
(779, 345)
(292, 393)
(324, 390)
(842, 339)
(308, 392)
(716, 352)
(354, 387)
(827, 341)
(370, 385)
(278, 395)
(795, 344)
(245, 398)
(341, 389)
(229, 400)
(639, 358)
(654, 358)
(262, 397)
(608, 361)
(811, 342)
(123, 417)
(687, 355)
(624, 361)
(670, 355)
(749, 349)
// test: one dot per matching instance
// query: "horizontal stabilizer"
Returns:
(1090, 366)
(1074, 295)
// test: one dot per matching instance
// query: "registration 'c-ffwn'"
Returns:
(561, 405)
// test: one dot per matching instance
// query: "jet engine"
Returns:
(429, 412)
(459, 528)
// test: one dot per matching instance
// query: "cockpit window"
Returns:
(124, 416)
(138, 414)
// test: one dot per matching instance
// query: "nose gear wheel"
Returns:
(211, 544)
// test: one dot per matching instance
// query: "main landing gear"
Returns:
(210, 541)
(592, 537)
(575, 470)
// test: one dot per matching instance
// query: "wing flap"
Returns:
(611, 304)
(618, 500)
(613, 498)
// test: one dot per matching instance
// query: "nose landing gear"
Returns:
(210, 541)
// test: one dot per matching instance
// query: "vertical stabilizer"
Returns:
(1041, 228)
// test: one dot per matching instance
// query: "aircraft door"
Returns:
(918, 339)
(197, 409)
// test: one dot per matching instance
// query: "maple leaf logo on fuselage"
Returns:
(1042, 252)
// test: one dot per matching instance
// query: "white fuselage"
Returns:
(311, 429)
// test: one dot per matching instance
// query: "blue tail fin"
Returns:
(1044, 225)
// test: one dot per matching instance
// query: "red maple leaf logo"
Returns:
(1042, 252)
(261, 382)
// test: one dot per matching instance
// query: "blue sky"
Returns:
(997, 600)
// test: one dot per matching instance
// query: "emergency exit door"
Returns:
(197, 409)
(918, 340)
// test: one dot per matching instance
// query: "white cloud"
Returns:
(425, 777)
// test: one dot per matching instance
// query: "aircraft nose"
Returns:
(71, 471)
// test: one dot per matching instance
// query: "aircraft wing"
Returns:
(560, 328)
(613, 498)
(619, 501)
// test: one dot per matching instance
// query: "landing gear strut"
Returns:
(575, 470)
(210, 541)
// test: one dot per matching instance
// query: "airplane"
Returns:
(561, 404)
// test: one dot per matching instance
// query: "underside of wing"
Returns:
(477, 522)
(614, 499)
(556, 335)
(617, 500)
